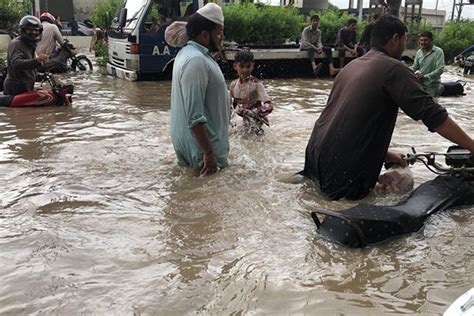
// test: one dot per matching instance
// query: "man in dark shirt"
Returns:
(346, 41)
(350, 140)
(364, 41)
(22, 63)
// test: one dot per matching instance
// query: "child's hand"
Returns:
(265, 109)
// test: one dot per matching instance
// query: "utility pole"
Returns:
(458, 6)
(37, 9)
(360, 6)
(454, 8)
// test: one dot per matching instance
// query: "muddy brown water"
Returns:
(96, 218)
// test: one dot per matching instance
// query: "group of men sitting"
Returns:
(345, 42)
(428, 65)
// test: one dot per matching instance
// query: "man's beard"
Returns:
(214, 46)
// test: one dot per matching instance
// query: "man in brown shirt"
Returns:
(350, 140)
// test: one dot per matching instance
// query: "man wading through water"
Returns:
(200, 105)
(350, 139)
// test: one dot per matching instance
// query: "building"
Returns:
(305, 6)
(66, 9)
(436, 18)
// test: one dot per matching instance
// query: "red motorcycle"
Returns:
(58, 95)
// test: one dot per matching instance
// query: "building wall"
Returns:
(61, 8)
(83, 9)
(305, 6)
(437, 18)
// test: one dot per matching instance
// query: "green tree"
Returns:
(455, 37)
(105, 12)
(11, 12)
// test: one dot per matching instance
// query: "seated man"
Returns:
(346, 42)
(311, 41)
(429, 64)
(350, 139)
(22, 64)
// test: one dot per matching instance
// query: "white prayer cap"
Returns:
(212, 12)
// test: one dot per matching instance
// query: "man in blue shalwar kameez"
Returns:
(200, 105)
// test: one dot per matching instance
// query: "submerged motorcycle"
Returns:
(366, 224)
(65, 59)
(59, 95)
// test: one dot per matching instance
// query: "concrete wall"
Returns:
(66, 9)
(63, 8)
(83, 9)
(4, 41)
(305, 6)
(437, 18)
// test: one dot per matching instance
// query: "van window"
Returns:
(134, 10)
(164, 12)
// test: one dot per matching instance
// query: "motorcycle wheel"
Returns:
(82, 63)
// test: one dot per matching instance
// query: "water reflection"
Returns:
(96, 216)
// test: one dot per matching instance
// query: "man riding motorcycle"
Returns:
(22, 63)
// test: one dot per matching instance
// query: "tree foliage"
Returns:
(105, 12)
(455, 37)
(11, 12)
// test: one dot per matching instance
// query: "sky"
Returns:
(447, 5)
(467, 11)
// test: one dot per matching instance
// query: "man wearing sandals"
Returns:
(311, 42)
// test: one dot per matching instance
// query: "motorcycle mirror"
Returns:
(123, 17)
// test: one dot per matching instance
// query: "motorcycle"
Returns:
(59, 95)
(64, 59)
(366, 224)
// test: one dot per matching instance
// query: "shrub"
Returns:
(455, 37)
(105, 12)
(260, 24)
(3, 60)
(102, 52)
(11, 12)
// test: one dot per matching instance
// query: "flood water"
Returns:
(96, 217)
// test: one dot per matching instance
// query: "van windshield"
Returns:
(134, 10)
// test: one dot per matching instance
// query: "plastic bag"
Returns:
(396, 180)
(176, 35)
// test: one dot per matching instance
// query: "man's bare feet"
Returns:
(333, 72)
(317, 69)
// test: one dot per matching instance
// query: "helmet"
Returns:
(47, 17)
(30, 22)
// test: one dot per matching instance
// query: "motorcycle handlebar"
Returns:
(458, 161)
